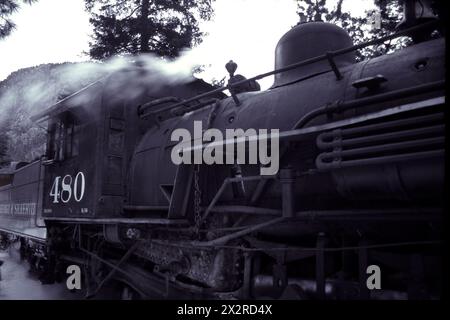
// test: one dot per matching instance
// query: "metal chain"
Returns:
(197, 200)
(197, 191)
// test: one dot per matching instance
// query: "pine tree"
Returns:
(4, 140)
(7, 8)
(390, 13)
(162, 27)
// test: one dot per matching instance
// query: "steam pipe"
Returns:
(327, 136)
(322, 165)
(351, 104)
(365, 151)
(397, 94)
(382, 138)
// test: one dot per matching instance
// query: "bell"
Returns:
(231, 67)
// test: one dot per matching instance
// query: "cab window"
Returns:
(64, 140)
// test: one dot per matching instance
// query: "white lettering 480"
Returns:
(69, 187)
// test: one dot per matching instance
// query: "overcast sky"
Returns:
(246, 31)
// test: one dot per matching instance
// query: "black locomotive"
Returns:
(360, 182)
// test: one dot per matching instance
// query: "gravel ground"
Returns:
(17, 283)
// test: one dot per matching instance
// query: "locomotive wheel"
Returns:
(293, 292)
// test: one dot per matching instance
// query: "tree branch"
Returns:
(134, 10)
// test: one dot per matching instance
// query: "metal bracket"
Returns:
(333, 65)
(369, 82)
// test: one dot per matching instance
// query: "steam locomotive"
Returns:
(360, 180)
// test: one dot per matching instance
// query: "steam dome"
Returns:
(306, 41)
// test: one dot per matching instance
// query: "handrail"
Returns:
(325, 56)
(299, 131)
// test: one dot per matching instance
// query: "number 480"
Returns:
(66, 188)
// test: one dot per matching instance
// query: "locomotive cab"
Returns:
(85, 155)
(74, 125)
(92, 138)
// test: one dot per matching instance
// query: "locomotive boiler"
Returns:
(360, 181)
